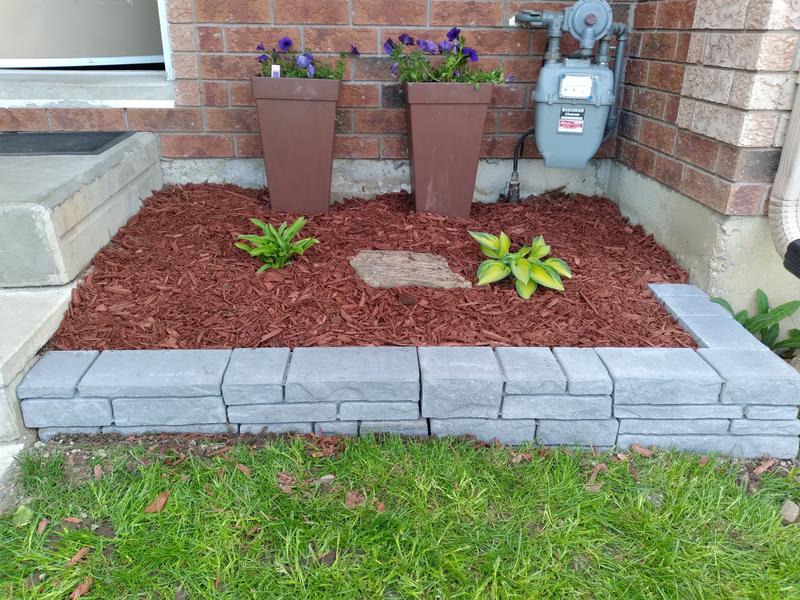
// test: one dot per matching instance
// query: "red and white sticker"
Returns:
(571, 120)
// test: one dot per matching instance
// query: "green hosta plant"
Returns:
(765, 324)
(276, 247)
(529, 265)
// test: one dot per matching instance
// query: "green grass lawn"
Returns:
(399, 519)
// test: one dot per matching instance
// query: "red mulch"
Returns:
(171, 278)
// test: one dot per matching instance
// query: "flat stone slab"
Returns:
(660, 376)
(66, 412)
(668, 290)
(294, 412)
(155, 373)
(716, 332)
(168, 411)
(743, 446)
(255, 376)
(682, 307)
(678, 411)
(259, 428)
(411, 428)
(397, 268)
(378, 411)
(754, 376)
(56, 375)
(336, 428)
(511, 431)
(206, 428)
(531, 371)
(601, 432)
(366, 374)
(586, 374)
(673, 426)
(557, 407)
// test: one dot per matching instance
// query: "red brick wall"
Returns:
(213, 44)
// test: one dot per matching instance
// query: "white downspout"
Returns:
(784, 203)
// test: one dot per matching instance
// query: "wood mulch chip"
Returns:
(171, 278)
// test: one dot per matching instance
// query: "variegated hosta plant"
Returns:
(529, 265)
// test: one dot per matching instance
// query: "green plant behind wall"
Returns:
(276, 247)
(765, 323)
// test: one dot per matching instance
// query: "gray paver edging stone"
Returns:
(730, 397)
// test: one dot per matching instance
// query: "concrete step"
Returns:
(56, 212)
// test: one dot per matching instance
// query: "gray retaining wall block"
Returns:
(378, 411)
(531, 371)
(673, 426)
(56, 375)
(773, 413)
(259, 428)
(255, 376)
(210, 429)
(747, 426)
(412, 428)
(353, 374)
(671, 290)
(460, 382)
(586, 374)
(294, 412)
(716, 332)
(660, 376)
(507, 431)
(336, 428)
(580, 433)
(48, 433)
(754, 376)
(155, 373)
(198, 410)
(678, 411)
(66, 412)
(743, 446)
(556, 407)
(682, 307)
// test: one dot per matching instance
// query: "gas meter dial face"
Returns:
(578, 87)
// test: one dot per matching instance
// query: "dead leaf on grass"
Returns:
(642, 451)
(157, 505)
(704, 460)
(286, 482)
(354, 499)
(246, 470)
(97, 471)
(380, 507)
(328, 558)
(518, 458)
(73, 520)
(632, 471)
(592, 485)
(82, 589)
(76, 558)
(42, 526)
(764, 466)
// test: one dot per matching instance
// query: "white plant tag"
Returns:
(276, 71)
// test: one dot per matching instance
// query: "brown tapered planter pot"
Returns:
(297, 118)
(445, 131)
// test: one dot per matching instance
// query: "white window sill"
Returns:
(85, 89)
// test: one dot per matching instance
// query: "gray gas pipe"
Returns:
(577, 97)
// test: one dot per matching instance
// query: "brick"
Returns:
(658, 135)
(668, 171)
(155, 373)
(556, 407)
(165, 119)
(720, 14)
(585, 372)
(393, 96)
(499, 41)
(168, 410)
(293, 412)
(698, 150)
(509, 96)
(682, 307)
(56, 374)
(665, 76)
(460, 382)
(87, 119)
(658, 45)
(747, 198)
(356, 146)
(248, 146)
(215, 93)
(660, 376)
(336, 428)
(644, 16)
(675, 14)
(673, 426)
(196, 146)
(204, 428)
(232, 11)
(372, 68)
(416, 428)
(340, 39)
(531, 371)
(742, 446)
(227, 66)
(245, 39)
(378, 411)
(353, 374)
(705, 188)
(242, 93)
(232, 119)
(677, 411)
(516, 120)
(394, 146)
(466, 12)
(181, 37)
(261, 428)
(344, 121)
(255, 376)
(48, 433)
(385, 120)
(312, 11)
(188, 93)
(506, 431)
(358, 95)
(754, 376)
(577, 433)
(748, 164)
(179, 11)
(777, 413)
(501, 146)
(184, 65)
(66, 412)
(766, 427)
(389, 12)
(713, 332)
(23, 119)
(650, 103)
(209, 39)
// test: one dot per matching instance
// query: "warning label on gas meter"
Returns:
(571, 120)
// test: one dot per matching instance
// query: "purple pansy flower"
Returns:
(311, 70)
(285, 43)
(471, 52)
(428, 46)
(453, 33)
(510, 79)
(263, 58)
(354, 50)
(394, 69)
(445, 46)
(406, 39)
(304, 60)
(388, 46)
(261, 47)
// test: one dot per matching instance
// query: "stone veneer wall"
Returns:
(732, 396)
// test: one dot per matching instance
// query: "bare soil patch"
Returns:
(171, 278)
